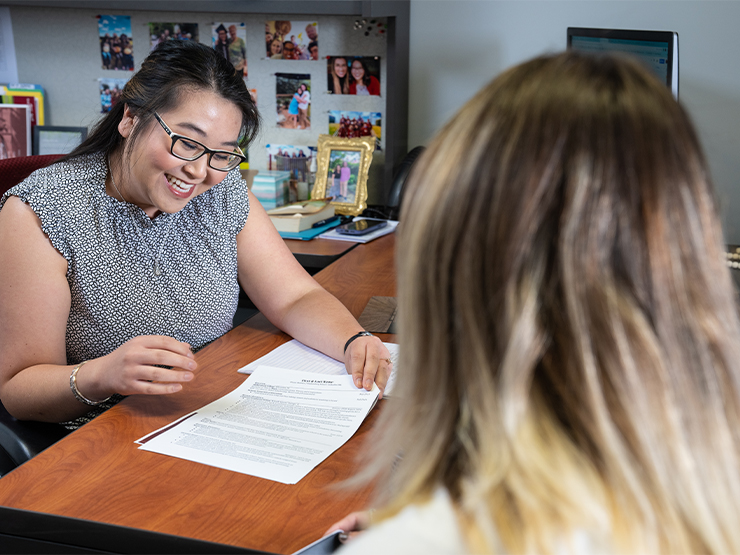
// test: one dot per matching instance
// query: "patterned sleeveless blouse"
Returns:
(110, 247)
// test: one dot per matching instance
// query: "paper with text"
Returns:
(277, 425)
(294, 355)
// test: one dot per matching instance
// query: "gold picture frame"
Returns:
(342, 168)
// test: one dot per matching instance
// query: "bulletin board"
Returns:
(69, 61)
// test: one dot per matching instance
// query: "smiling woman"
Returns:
(125, 256)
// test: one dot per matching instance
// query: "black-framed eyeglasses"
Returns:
(189, 149)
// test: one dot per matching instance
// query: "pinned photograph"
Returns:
(293, 94)
(358, 75)
(110, 92)
(276, 154)
(295, 159)
(350, 125)
(230, 40)
(161, 32)
(116, 45)
(292, 40)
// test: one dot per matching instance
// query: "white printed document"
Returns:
(294, 355)
(277, 425)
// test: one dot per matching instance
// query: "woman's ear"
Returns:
(127, 122)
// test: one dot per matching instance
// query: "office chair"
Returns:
(19, 440)
(15, 170)
(395, 196)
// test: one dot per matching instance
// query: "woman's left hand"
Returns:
(352, 525)
(368, 361)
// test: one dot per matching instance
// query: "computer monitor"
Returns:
(657, 49)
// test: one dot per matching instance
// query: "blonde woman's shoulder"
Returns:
(430, 529)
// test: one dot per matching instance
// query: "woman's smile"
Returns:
(179, 187)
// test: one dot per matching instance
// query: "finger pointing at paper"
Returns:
(368, 361)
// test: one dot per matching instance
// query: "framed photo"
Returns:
(342, 167)
(49, 139)
(15, 130)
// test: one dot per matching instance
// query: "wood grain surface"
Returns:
(97, 472)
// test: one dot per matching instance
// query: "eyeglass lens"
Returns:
(190, 150)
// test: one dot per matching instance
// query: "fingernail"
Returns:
(368, 384)
(192, 365)
(187, 376)
(343, 537)
(358, 382)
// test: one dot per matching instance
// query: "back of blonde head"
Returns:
(569, 362)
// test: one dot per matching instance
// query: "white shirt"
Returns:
(429, 529)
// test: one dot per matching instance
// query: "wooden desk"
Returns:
(97, 472)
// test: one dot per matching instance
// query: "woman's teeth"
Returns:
(179, 185)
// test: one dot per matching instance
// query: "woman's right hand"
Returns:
(135, 368)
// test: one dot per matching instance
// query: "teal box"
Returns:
(271, 188)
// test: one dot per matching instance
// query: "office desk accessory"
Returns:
(343, 166)
(311, 232)
(49, 139)
(16, 141)
(97, 473)
(332, 235)
(32, 95)
(379, 315)
(303, 215)
(271, 188)
(658, 50)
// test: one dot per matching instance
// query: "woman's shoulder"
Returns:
(429, 528)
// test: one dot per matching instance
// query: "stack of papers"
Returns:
(279, 424)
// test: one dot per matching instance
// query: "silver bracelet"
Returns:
(73, 386)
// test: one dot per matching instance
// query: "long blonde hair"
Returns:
(568, 330)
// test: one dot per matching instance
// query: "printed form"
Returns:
(277, 425)
(296, 356)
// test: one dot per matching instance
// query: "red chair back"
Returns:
(15, 170)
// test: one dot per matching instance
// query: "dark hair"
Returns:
(172, 69)
(312, 44)
(366, 75)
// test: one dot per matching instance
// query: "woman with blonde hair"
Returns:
(570, 341)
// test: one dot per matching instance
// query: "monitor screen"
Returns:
(658, 50)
